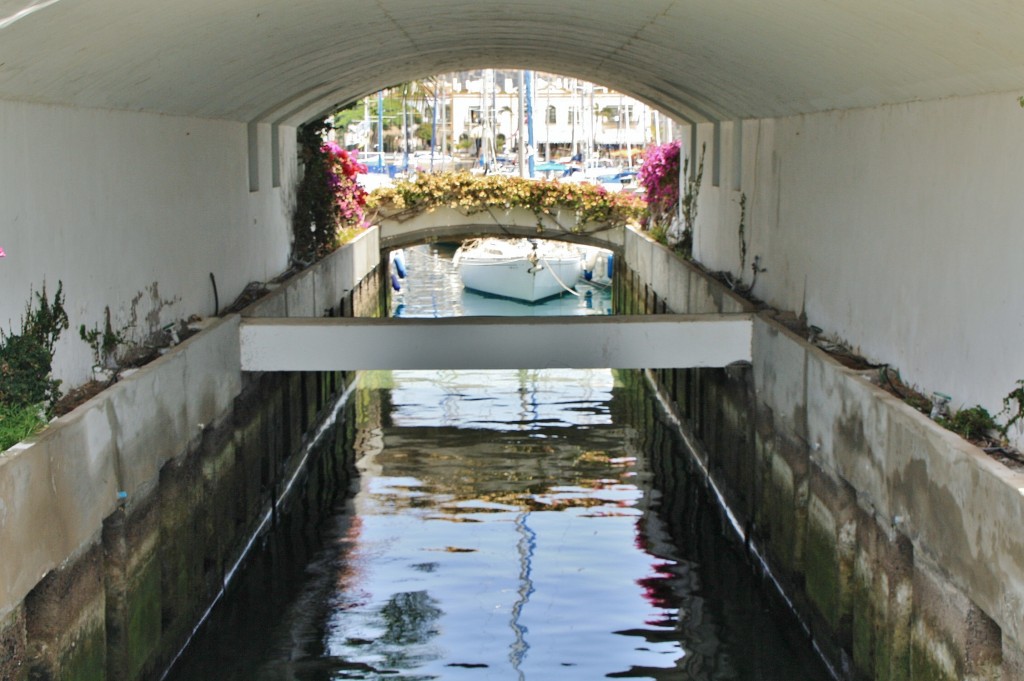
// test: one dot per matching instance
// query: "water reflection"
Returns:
(544, 551)
(504, 511)
(499, 525)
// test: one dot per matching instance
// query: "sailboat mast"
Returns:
(444, 118)
(521, 133)
(433, 127)
(529, 122)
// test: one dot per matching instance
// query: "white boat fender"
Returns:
(400, 263)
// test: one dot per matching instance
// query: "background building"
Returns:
(479, 114)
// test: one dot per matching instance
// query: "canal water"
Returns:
(513, 525)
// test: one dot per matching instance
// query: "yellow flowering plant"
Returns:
(472, 194)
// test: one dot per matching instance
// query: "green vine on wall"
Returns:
(742, 233)
(311, 221)
(1016, 414)
(689, 203)
(972, 423)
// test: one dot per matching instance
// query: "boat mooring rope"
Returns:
(560, 282)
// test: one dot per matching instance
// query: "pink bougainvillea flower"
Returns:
(659, 175)
(2, 254)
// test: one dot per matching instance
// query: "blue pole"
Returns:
(529, 122)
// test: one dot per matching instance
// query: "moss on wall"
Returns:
(821, 567)
(86, 660)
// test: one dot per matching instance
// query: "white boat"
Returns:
(521, 269)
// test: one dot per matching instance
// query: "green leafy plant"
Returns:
(1015, 414)
(104, 343)
(974, 423)
(26, 358)
(18, 422)
(660, 234)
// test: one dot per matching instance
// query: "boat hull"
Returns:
(520, 278)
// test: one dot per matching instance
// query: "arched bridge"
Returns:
(398, 230)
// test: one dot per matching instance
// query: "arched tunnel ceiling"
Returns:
(288, 60)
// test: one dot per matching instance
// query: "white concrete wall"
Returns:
(898, 229)
(57, 487)
(133, 211)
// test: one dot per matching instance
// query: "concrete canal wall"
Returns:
(120, 521)
(899, 543)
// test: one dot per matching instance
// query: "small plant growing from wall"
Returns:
(741, 233)
(104, 344)
(689, 203)
(1015, 413)
(973, 423)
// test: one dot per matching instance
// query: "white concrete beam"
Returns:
(618, 342)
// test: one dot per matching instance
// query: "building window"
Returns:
(552, 115)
